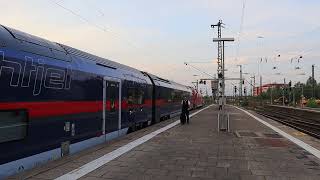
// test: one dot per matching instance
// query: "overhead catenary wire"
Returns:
(99, 11)
(100, 27)
(198, 69)
(240, 29)
(58, 3)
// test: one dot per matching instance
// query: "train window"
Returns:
(168, 95)
(176, 96)
(135, 96)
(131, 96)
(140, 97)
(13, 125)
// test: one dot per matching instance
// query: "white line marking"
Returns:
(300, 143)
(95, 164)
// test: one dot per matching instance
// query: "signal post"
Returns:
(223, 118)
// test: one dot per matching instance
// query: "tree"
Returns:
(310, 81)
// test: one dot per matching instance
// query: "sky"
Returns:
(159, 36)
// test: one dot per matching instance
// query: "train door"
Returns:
(111, 105)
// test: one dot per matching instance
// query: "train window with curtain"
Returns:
(168, 95)
(135, 96)
(178, 96)
(173, 95)
(140, 96)
(13, 125)
(131, 95)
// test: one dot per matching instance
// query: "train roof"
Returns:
(40, 46)
(168, 83)
(60, 51)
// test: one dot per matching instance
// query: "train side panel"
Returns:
(56, 100)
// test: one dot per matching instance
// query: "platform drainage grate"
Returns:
(246, 134)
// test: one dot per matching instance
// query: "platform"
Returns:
(251, 150)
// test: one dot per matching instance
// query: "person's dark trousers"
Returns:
(187, 114)
(220, 107)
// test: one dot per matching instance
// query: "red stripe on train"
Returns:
(58, 108)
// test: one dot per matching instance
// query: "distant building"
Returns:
(257, 90)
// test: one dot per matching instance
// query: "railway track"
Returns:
(304, 120)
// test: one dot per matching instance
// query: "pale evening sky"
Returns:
(158, 36)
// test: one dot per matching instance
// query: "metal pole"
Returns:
(254, 81)
(260, 90)
(221, 69)
(251, 87)
(260, 85)
(271, 102)
(284, 83)
(289, 96)
(233, 95)
(240, 85)
(293, 97)
(197, 86)
(223, 80)
(313, 82)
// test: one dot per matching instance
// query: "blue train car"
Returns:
(168, 96)
(56, 100)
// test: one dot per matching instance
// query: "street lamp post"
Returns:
(254, 84)
(259, 74)
(240, 85)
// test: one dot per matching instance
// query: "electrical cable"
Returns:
(241, 28)
(203, 72)
(102, 28)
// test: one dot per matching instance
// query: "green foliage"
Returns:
(244, 103)
(310, 81)
(208, 99)
(290, 96)
(312, 103)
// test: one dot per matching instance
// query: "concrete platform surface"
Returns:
(196, 151)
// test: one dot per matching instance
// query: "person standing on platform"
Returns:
(185, 109)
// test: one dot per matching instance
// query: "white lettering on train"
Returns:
(23, 73)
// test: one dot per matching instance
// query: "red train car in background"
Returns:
(196, 99)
